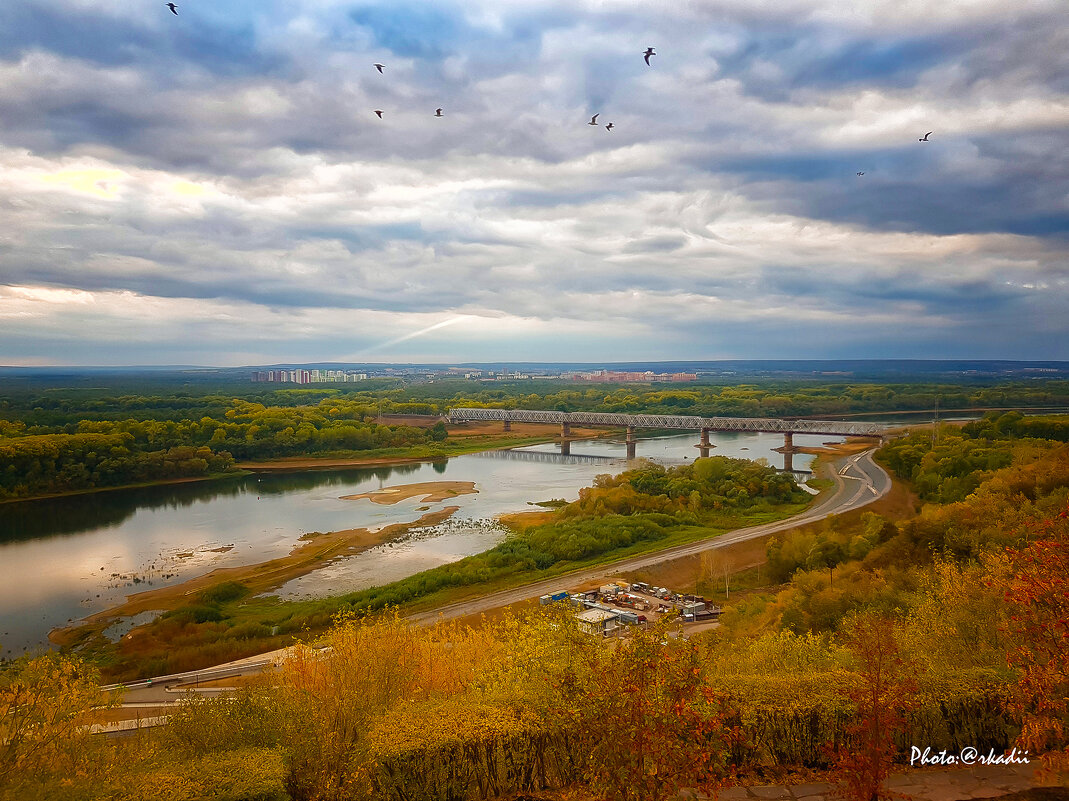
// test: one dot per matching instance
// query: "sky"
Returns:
(214, 187)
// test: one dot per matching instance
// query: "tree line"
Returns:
(771, 398)
(89, 454)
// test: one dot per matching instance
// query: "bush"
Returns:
(224, 593)
(194, 613)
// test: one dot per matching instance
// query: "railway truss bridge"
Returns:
(671, 422)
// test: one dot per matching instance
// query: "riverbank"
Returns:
(466, 438)
(230, 474)
(314, 552)
(253, 621)
(463, 439)
(565, 572)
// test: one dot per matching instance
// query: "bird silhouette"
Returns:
(437, 112)
(174, 8)
(925, 139)
(608, 127)
(649, 52)
(379, 113)
(379, 67)
(860, 173)
(594, 119)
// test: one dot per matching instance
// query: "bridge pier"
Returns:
(631, 442)
(508, 425)
(565, 429)
(565, 447)
(788, 450)
(704, 446)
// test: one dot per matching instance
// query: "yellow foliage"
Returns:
(43, 715)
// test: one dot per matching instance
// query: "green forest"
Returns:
(57, 440)
(50, 408)
(87, 454)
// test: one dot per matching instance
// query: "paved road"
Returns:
(164, 690)
(858, 481)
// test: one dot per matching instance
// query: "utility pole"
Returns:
(935, 423)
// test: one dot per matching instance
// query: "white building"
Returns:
(598, 622)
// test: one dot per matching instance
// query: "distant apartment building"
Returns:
(307, 376)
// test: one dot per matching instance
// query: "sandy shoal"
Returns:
(312, 553)
(430, 491)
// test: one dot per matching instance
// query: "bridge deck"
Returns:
(671, 421)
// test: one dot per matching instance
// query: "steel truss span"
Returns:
(670, 421)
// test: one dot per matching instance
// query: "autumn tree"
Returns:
(1038, 599)
(716, 566)
(335, 696)
(650, 722)
(44, 704)
(883, 692)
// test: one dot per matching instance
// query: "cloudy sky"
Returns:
(214, 187)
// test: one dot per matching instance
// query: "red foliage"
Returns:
(885, 690)
(1037, 596)
(653, 727)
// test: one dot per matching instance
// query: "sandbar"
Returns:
(427, 491)
(259, 578)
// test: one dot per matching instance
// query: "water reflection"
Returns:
(546, 457)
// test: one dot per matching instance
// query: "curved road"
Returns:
(858, 481)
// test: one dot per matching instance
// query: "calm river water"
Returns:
(62, 559)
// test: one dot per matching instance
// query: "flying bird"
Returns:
(379, 113)
(379, 67)
(594, 119)
(925, 139)
(608, 127)
(437, 112)
(174, 8)
(649, 52)
(860, 173)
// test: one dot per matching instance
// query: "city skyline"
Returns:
(213, 187)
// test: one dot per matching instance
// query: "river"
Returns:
(64, 558)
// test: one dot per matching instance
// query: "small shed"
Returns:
(598, 622)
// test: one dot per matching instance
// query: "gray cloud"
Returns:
(230, 159)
